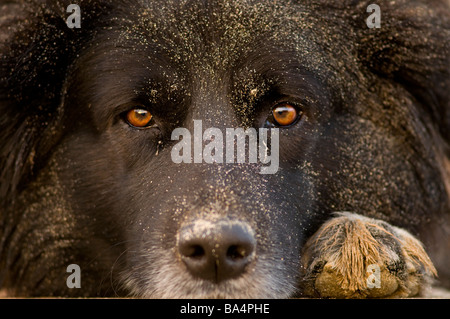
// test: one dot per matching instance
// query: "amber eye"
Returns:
(139, 117)
(285, 114)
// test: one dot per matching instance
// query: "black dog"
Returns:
(88, 175)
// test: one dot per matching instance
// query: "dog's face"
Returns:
(225, 77)
(153, 227)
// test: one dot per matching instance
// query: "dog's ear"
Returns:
(36, 48)
(411, 47)
(31, 73)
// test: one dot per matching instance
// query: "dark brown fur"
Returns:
(79, 185)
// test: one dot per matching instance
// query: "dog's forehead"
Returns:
(231, 52)
(208, 43)
(212, 33)
(212, 39)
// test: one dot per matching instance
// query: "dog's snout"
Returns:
(217, 251)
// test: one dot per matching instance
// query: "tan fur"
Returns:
(359, 250)
(347, 246)
(414, 250)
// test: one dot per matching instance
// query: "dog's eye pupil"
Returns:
(139, 117)
(285, 114)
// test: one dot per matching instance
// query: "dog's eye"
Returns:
(284, 114)
(139, 118)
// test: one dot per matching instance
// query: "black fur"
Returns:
(78, 185)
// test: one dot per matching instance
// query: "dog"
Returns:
(92, 175)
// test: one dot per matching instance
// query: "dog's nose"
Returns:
(216, 251)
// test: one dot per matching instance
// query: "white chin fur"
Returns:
(170, 280)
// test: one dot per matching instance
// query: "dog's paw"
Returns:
(352, 256)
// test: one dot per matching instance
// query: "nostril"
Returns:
(197, 252)
(194, 251)
(237, 252)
